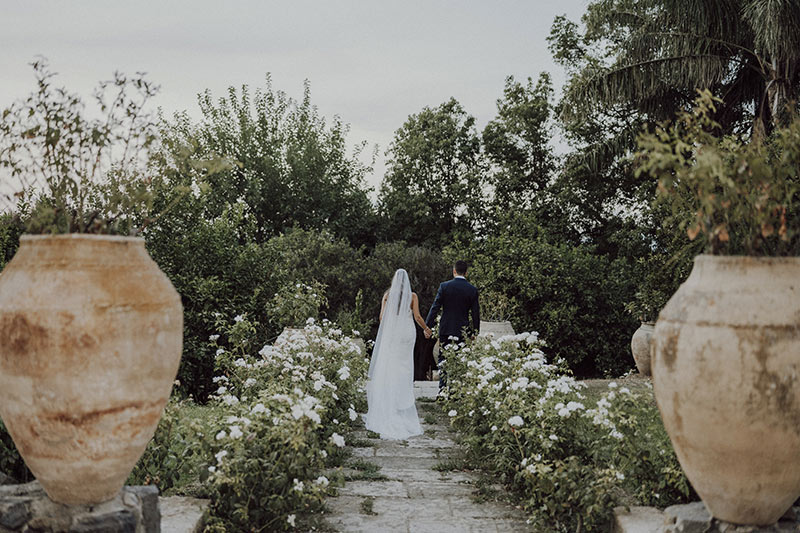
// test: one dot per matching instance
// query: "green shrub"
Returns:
(737, 197)
(575, 296)
(295, 303)
(282, 416)
(535, 429)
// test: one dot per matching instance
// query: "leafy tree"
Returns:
(654, 54)
(516, 143)
(292, 168)
(433, 186)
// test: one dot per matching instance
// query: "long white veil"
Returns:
(390, 389)
(395, 313)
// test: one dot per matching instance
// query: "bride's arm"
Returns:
(418, 318)
(383, 305)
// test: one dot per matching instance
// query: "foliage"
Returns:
(516, 142)
(11, 463)
(294, 304)
(292, 166)
(283, 411)
(575, 295)
(649, 56)
(432, 188)
(536, 430)
(172, 460)
(217, 276)
(740, 198)
(78, 171)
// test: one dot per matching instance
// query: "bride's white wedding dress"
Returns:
(390, 388)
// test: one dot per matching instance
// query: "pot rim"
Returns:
(80, 236)
(731, 259)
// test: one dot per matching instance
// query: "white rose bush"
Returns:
(568, 457)
(283, 412)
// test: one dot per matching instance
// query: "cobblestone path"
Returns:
(401, 485)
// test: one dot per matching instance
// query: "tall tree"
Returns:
(654, 55)
(433, 186)
(291, 167)
(517, 144)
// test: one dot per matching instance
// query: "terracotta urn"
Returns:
(90, 340)
(641, 342)
(725, 372)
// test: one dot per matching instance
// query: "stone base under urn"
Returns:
(691, 518)
(27, 508)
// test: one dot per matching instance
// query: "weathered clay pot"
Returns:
(725, 374)
(90, 340)
(641, 343)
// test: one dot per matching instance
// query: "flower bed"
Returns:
(276, 421)
(568, 453)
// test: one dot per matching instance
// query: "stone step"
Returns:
(181, 514)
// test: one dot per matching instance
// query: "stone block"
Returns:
(181, 514)
(26, 507)
(691, 518)
(637, 519)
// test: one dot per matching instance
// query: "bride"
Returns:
(390, 389)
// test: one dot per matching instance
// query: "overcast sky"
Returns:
(371, 62)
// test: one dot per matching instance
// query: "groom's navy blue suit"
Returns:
(457, 299)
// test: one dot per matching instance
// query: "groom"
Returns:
(456, 298)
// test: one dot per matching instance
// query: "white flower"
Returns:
(624, 390)
(249, 382)
(553, 437)
(212, 469)
(620, 476)
(494, 428)
(338, 440)
(452, 412)
(238, 318)
(616, 434)
(344, 373)
(221, 435)
(291, 519)
(236, 432)
(220, 454)
(213, 337)
(258, 408)
(353, 414)
(322, 481)
(612, 385)
(515, 421)
(220, 351)
(230, 400)
(298, 485)
(323, 453)
(222, 390)
(240, 363)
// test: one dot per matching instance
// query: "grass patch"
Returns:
(426, 400)
(430, 433)
(366, 506)
(453, 464)
(373, 435)
(430, 419)
(363, 466)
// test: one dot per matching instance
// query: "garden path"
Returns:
(406, 485)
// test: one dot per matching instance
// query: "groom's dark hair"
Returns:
(460, 267)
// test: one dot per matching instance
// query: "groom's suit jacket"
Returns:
(456, 298)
